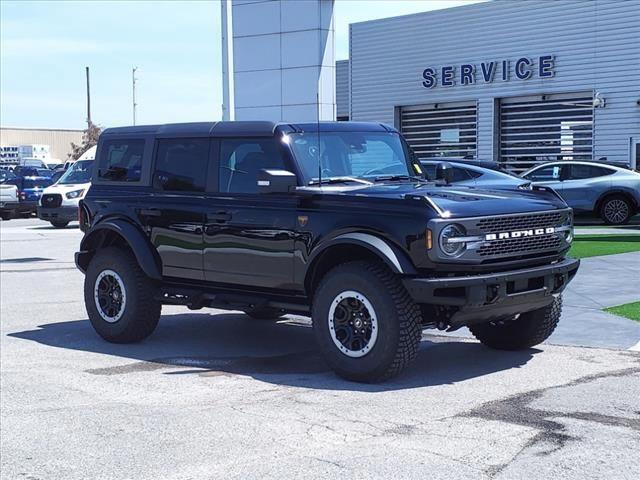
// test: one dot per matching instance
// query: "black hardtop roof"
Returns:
(246, 128)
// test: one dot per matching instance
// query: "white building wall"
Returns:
(596, 45)
(283, 60)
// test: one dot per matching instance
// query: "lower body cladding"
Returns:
(477, 299)
(58, 214)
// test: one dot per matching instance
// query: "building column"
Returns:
(280, 62)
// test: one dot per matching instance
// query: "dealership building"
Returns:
(513, 81)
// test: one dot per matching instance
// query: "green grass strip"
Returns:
(628, 310)
(585, 246)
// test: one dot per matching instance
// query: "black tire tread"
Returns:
(148, 309)
(532, 328)
(409, 316)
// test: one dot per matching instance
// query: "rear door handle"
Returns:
(219, 217)
(149, 212)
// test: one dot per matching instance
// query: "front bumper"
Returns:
(481, 298)
(9, 207)
(66, 214)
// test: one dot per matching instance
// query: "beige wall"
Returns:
(58, 140)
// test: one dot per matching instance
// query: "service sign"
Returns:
(522, 68)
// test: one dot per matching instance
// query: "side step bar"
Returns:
(195, 299)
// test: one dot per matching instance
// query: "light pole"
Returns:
(133, 86)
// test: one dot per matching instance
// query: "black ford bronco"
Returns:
(333, 220)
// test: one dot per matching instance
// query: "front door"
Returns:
(175, 212)
(249, 237)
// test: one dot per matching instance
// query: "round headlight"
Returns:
(450, 243)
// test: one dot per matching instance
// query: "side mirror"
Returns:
(276, 181)
(444, 172)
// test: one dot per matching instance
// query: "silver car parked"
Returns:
(613, 193)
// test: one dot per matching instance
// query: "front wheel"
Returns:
(120, 299)
(616, 210)
(59, 223)
(525, 331)
(366, 325)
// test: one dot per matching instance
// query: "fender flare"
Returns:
(140, 246)
(616, 191)
(391, 255)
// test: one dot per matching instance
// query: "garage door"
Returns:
(539, 129)
(441, 129)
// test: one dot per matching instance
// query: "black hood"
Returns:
(457, 201)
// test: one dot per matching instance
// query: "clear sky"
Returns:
(44, 47)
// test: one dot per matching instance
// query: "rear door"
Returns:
(249, 237)
(584, 185)
(174, 212)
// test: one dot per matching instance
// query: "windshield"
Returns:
(36, 183)
(360, 155)
(79, 172)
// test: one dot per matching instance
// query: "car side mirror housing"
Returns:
(276, 181)
(444, 172)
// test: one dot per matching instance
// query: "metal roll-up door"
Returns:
(545, 128)
(441, 129)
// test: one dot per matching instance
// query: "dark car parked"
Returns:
(475, 176)
(29, 192)
(488, 164)
(332, 221)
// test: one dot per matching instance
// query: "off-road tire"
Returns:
(623, 202)
(59, 223)
(529, 329)
(263, 313)
(398, 318)
(142, 308)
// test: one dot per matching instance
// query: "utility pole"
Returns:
(133, 84)
(88, 99)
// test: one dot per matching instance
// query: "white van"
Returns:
(59, 202)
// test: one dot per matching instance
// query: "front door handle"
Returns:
(219, 217)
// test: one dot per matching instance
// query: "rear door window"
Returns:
(181, 164)
(580, 172)
(121, 160)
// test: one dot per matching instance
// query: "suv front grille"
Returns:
(503, 238)
(519, 246)
(51, 200)
(526, 244)
(504, 224)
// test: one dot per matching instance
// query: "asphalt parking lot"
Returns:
(213, 394)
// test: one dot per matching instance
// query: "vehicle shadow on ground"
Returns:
(281, 353)
(51, 227)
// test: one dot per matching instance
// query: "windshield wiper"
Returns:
(330, 180)
(391, 178)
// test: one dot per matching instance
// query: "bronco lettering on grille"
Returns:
(520, 233)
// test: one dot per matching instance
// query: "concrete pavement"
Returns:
(216, 395)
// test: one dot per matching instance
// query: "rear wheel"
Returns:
(59, 223)
(616, 210)
(523, 332)
(120, 299)
(366, 325)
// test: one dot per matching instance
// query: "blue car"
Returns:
(610, 192)
(29, 192)
(475, 176)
